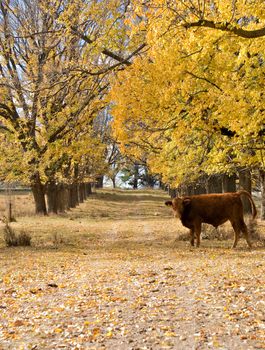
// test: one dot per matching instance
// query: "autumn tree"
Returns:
(53, 74)
(43, 107)
(194, 101)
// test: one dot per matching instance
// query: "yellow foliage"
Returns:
(176, 101)
(50, 90)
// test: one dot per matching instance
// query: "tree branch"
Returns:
(205, 79)
(3, 127)
(106, 51)
(227, 27)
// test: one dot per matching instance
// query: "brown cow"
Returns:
(214, 209)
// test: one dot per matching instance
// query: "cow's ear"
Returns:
(186, 201)
(169, 203)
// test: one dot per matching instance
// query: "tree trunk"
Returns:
(80, 193)
(199, 188)
(172, 192)
(52, 198)
(83, 189)
(149, 179)
(214, 184)
(245, 183)
(162, 186)
(62, 198)
(262, 179)
(190, 190)
(135, 176)
(38, 194)
(182, 191)
(73, 196)
(229, 183)
(99, 182)
(88, 189)
(67, 196)
(113, 179)
(57, 198)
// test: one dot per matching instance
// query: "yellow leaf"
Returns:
(109, 333)
(58, 330)
(95, 332)
(170, 334)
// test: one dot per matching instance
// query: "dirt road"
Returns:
(117, 280)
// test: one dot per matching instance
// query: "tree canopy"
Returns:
(194, 101)
(55, 62)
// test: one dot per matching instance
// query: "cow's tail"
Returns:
(253, 207)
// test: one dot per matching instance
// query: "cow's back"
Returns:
(214, 209)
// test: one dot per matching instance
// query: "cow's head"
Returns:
(178, 205)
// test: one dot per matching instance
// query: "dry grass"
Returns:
(119, 218)
(105, 214)
(22, 203)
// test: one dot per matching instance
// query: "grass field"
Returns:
(110, 274)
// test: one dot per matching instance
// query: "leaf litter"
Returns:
(132, 288)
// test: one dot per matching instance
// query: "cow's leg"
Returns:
(192, 237)
(198, 229)
(244, 230)
(237, 233)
